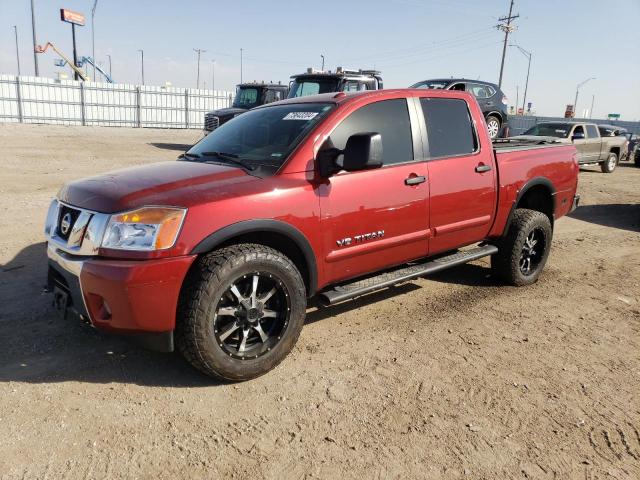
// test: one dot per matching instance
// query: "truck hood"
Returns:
(541, 138)
(173, 183)
(228, 112)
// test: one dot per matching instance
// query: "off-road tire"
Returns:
(493, 118)
(505, 264)
(207, 281)
(636, 158)
(610, 164)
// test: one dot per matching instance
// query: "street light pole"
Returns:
(35, 43)
(322, 62)
(526, 85)
(15, 30)
(575, 102)
(593, 99)
(198, 51)
(241, 50)
(142, 64)
(93, 38)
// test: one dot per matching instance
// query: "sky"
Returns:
(408, 40)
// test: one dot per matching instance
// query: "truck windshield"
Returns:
(301, 87)
(246, 98)
(558, 130)
(263, 137)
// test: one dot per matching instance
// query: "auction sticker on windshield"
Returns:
(300, 116)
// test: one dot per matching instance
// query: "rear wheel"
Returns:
(523, 252)
(241, 312)
(609, 165)
(493, 126)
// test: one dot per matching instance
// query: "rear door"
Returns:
(462, 176)
(372, 219)
(484, 94)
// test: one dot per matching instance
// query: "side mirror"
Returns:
(577, 136)
(363, 151)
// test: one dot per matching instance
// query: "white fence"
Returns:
(68, 102)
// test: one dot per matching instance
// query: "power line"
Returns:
(507, 28)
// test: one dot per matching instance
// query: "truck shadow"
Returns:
(622, 216)
(38, 347)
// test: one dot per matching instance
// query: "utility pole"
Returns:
(518, 98)
(241, 50)
(507, 28)
(75, 51)
(142, 64)
(322, 62)
(93, 38)
(575, 102)
(15, 30)
(198, 51)
(35, 43)
(109, 65)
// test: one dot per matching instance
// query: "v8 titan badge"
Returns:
(344, 242)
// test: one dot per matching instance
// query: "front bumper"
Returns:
(135, 298)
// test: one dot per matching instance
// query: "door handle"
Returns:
(415, 180)
(483, 168)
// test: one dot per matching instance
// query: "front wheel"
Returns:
(609, 165)
(493, 126)
(523, 252)
(241, 311)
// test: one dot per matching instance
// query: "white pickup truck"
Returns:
(591, 146)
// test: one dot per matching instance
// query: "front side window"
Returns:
(262, 137)
(389, 118)
(578, 130)
(592, 131)
(449, 127)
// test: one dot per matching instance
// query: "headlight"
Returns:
(147, 228)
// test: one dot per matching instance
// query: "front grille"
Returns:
(211, 122)
(66, 220)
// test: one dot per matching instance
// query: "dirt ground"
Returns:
(455, 376)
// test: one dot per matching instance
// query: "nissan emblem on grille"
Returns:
(65, 223)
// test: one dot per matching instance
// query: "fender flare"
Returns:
(218, 237)
(534, 182)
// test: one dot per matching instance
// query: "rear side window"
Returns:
(389, 118)
(449, 127)
(481, 91)
(592, 131)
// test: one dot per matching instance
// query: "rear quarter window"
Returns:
(450, 130)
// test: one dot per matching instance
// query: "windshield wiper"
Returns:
(229, 157)
(188, 155)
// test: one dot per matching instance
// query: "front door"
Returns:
(580, 143)
(377, 218)
(462, 176)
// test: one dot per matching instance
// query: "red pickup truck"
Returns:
(329, 196)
